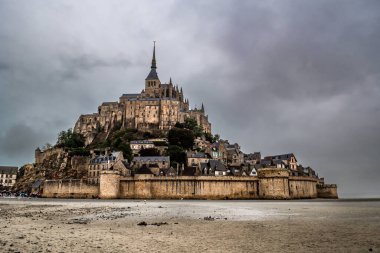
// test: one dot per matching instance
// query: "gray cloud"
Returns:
(18, 143)
(275, 76)
(72, 66)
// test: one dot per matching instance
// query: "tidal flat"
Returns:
(72, 225)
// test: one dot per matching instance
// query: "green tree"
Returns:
(212, 139)
(191, 124)
(70, 139)
(181, 137)
(177, 155)
(126, 149)
(149, 152)
(120, 145)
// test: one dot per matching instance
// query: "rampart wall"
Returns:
(74, 188)
(189, 187)
(327, 191)
(302, 188)
(270, 184)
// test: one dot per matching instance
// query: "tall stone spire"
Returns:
(203, 108)
(153, 74)
(154, 66)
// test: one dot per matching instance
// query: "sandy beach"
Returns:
(52, 225)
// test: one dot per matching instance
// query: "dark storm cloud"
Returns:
(275, 76)
(19, 142)
(73, 65)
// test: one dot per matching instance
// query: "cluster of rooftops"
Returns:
(201, 163)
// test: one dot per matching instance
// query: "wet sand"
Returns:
(52, 225)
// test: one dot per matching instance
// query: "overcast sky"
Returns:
(275, 76)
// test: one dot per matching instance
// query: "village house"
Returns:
(195, 159)
(152, 162)
(201, 144)
(8, 176)
(234, 156)
(213, 168)
(217, 151)
(170, 172)
(287, 161)
(137, 145)
(252, 159)
(123, 167)
(100, 163)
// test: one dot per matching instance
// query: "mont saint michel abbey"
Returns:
(158, 107)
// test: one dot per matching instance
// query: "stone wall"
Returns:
(270, 184)
(189, 187)
(302, 187)
(69, 189)
(274, 183)
(327, 191)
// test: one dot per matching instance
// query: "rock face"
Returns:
(55, 164)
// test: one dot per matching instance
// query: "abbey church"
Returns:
(158, 107)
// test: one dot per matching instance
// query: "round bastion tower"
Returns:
(109, 184)
(273, 183)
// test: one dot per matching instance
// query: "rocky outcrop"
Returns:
(56, 164)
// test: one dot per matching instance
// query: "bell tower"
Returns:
(152, 82)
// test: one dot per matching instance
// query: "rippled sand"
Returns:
(51, 225)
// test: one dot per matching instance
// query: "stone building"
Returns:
(8, 176)
(137, 145)
(161, 162)
(235, 156)
(159, 106)
(102, 163)
(287, 161)
(195, 159)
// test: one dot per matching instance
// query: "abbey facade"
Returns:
(158, 107)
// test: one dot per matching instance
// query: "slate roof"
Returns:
(103, 158)
(141, 142)
(151, 158)
(10, 170)
(266, 162)
(152, 75)
(130, 95)
(110, 103)
(278, 161)
(170, 170)
(144, 99)
(143, 170)
(217, 165)
(203, 166)
(199, 155)
(281, 157)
